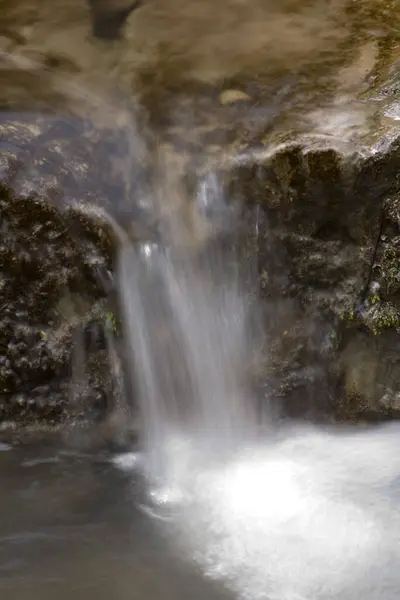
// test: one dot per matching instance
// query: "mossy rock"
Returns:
(52, 251)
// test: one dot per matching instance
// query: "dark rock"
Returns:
(329, 273)
(50, 251)
(314, 150)
(108, 16)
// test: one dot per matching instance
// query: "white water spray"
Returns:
(305, 514)
(186, 323)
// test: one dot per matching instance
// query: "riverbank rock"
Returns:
(51, 257)
(296, 107)
(329, 256)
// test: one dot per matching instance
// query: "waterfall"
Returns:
(187, 327)
(298, 513)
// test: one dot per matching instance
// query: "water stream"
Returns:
(215, 502)
(188, 328)
(292, 514)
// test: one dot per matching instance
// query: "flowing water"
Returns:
(296, 513)
(188, 328)
(216, 502)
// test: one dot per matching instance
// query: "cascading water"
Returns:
(187, 325)
(298, 514)
(304, 514)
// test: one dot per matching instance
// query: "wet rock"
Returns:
(315, 152)
(51, 251)
(109, 16)
(69, 165)
(232, 96)
(48, 289)
(328, 248)
(371, 376)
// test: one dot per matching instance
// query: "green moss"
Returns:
(389, 270)
(385, 317)
(114, 323)
(350, 316)
(374, 299)
(378, 315)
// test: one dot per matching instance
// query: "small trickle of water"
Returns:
(186, 322)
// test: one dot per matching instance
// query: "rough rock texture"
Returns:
(47, 289)
(320, 224)
(52, 259)
(296, 106)
(329, 271)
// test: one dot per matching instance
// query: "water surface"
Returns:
(71, 526)
(311, 514)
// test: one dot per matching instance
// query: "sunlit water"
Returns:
(188, 328)
(310, 514)
(209, 508)
(296, 514)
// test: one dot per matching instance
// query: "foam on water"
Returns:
(296, 514)
(311, 514)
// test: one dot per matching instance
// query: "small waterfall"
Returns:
(187, 325)
(300, 513)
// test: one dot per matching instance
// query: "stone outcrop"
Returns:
(324, 274)
(309, 141)
(329, 255)
(53, 260)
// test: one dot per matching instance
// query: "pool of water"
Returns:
(70, 527)
(311, 514)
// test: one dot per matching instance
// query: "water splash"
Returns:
(303, 514)
(186, 323)
(309, 515)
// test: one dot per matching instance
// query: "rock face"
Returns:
(330, 222)
(108, 17)
(308, 139)
(331, 303)
(53, 260)
(47, 286)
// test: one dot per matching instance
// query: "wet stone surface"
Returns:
(296, 106)
(50, 255)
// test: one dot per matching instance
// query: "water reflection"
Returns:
(310, 514)
(69, 526)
